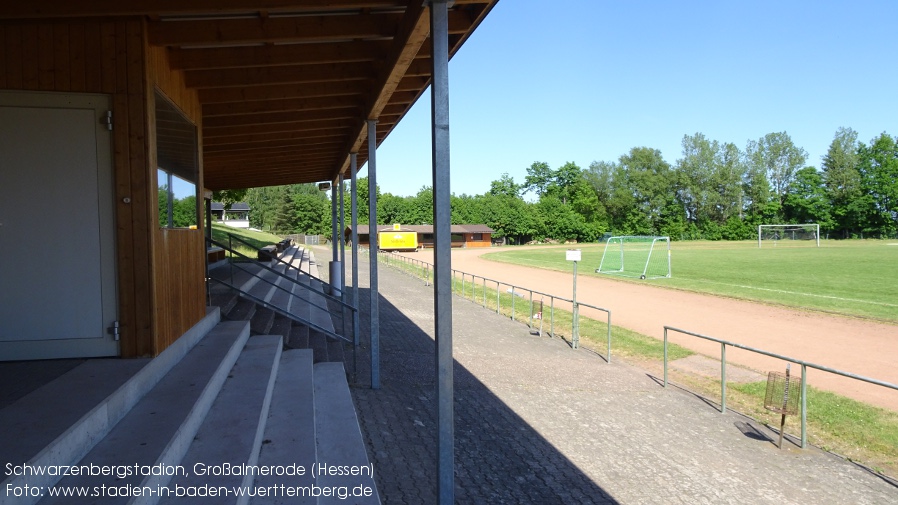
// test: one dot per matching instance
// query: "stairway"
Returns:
(306, 304)
(218, 399)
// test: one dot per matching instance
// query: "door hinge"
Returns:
(107, 120)
(114, 329)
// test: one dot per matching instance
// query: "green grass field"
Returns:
(851, 277)
(257, 238)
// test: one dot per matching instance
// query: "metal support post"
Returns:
(575, 330)
(372, 253)
(439, 37)
(804, 406)
(354, 224)
(723, 378)
(342, 238)
(334, 252)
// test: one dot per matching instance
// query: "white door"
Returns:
(57, 243)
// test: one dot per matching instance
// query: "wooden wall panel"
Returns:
(180, 288)
(179, 255)
(112, 57)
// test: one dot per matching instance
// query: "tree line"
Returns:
(713, 191)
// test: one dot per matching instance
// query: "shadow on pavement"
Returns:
(499, 458)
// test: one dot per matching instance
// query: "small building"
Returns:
(463, 235)
(236, 217)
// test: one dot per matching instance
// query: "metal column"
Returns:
(334, 222)
(342, 239)
(439, 36)
(354, 224)
(372, 252)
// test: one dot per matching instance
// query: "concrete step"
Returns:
(282, 326)
(59, 423)
(262, 320)
(339, 438)
(233, 430)
(243, 310)
(299, 337)
(318, 345)
(160, 427)
(290, 431)
(335, 350)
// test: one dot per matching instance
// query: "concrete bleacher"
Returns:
(221, 395)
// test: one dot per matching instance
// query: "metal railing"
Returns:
(289, 285)
(804, 367)
(274, 258)
(468, 290)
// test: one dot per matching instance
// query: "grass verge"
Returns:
(256, 239)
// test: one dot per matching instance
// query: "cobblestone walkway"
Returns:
(537, 422)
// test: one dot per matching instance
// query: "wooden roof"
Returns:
(286, 86)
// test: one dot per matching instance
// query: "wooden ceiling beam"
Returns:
(289, 104)
(272, 30)
(281, 117)
(225, 132)
(269, 146)
(296, 74)
(155, 8)
(69, 8)
(413, 83)
(269, 55)
(281, 91)
(262, 137)
(413, 31)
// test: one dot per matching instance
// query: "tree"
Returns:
(650, 182)
(312, 214)
(505, 186)
(539, 177)
(842, 181)
(878, 166)
(778, 158)
(806, 200)
(709, 181)
(284, 219)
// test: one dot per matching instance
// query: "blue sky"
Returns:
(587, 80)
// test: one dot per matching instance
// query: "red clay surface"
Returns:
(856, 346)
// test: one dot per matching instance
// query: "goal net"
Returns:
(645, 257)
(789, 234)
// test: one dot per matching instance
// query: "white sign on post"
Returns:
(572, 255)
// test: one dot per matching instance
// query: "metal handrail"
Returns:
(285, 313)
(804, 366)
(513, 289)
(275, 258)
(294, 317)
(282, 275)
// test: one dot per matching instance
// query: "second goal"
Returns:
(645, 257)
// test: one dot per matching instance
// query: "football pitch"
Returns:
(850, 277)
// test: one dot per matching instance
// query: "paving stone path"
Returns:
(537, 422)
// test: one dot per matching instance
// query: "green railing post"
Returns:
(530, 321)
(498, 291)
(513, 296)
(804, 406)
(723, 378)
(484, 292)
(552, 317)
(609, 337)
(665, 356)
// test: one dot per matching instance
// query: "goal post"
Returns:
(644, 257)
(793, 234)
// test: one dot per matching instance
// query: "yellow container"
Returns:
(397, 241)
